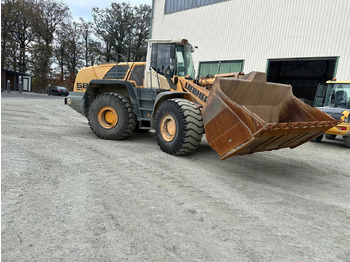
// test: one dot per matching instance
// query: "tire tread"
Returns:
(193, 128)
(130, 116)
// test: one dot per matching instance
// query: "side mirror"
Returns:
(172, 51)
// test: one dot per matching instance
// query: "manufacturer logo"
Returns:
(196, 92)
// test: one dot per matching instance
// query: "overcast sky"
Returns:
(82, 8)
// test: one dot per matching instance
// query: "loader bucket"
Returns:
(248, 115)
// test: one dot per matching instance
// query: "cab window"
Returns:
(138, 74)
(117, 72)
(160, 58)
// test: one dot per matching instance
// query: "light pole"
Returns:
(8, 86)
(20, 86)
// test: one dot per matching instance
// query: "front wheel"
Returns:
(329, 136)
(111, 117)
(317, 139)
(179, 126)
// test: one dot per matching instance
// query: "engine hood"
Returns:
(334, 112)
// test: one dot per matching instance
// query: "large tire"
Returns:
(179, 126)
(111, 117)
(317, 139)
(329, 136)
(347, 141)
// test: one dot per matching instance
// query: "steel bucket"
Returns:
(250, 115)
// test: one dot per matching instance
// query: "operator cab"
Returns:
(168, 57)
(333, 97)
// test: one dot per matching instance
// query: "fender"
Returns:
(165, 96)
(100, 86)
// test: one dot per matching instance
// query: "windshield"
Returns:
(184, 61)
(338, 95)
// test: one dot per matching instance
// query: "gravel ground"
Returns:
(69, 196)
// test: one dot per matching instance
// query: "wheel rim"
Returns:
(168, 127)
(107, 117)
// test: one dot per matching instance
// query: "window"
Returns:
(160, 58)
(338, 95)
(181, 65)
(184, 62)
(219, 67)
(320, 95)
(117, 72)
(172, 6)
(138, 74)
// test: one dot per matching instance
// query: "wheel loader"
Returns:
(333, 98)
(239, 114)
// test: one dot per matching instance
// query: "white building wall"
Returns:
(257, 30)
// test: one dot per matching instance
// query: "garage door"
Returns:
(219, 67)
(304, 74)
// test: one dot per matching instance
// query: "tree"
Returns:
(16, 33)
(50, 15)
(60, 52)
(7, 22)
(95, 54)
(74, 49)
(123, 29)
(23, 30)
(103, 29)
(87, 41)
(141, 32)
(38, 37)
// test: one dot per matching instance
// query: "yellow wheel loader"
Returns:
(333, 98)
(239, 114)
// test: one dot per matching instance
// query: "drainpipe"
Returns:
(4, 78)
(20, 84)
(151, 22)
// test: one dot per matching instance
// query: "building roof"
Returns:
(14, 72)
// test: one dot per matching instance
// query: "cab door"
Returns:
(159, 61)
(320, 97)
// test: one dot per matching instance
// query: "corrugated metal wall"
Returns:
(257, 30)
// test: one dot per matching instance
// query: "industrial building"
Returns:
(302, 43)
(11, 80)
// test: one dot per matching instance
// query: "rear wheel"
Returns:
(347, 141)
(329, 136)
(111, 117)
(317, 139)
(179, 126)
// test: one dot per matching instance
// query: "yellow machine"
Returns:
(333, 98)
(239, 114)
